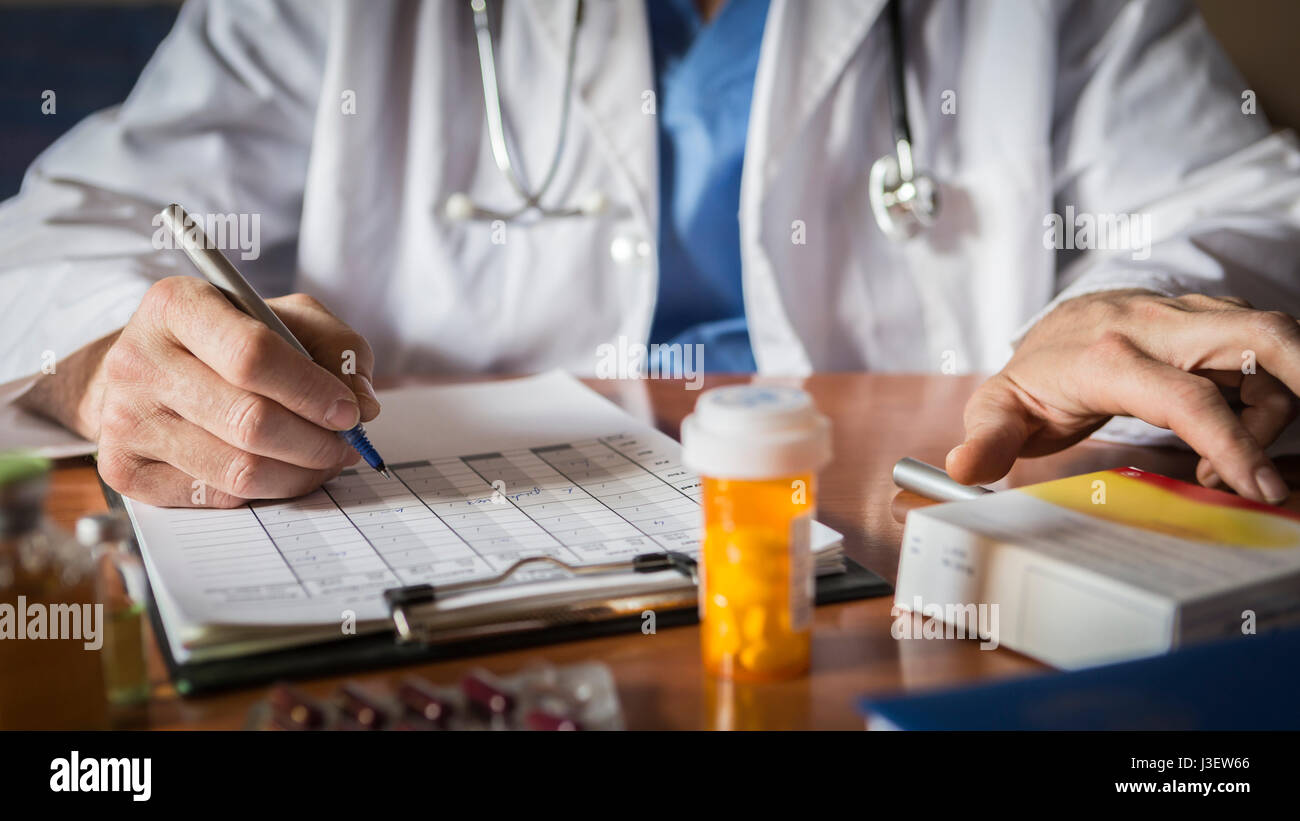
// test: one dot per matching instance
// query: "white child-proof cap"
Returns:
(755, 432)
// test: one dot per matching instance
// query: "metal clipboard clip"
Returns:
(416, 618)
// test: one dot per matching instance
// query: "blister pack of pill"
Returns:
(542, 697)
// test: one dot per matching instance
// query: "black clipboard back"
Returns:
(377, 650)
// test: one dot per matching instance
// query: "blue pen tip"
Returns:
(357, 439)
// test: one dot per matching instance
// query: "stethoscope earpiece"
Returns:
(593, 205)
(459, 207)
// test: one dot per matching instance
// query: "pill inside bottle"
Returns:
(757, 450)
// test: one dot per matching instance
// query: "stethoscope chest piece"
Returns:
(903, 207)
(904, 200)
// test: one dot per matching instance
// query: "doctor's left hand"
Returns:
(1180, 363)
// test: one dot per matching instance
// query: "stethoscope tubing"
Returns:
(901, 194)
(897, 94)
(496, 120)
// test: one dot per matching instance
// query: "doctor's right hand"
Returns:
(194, 403)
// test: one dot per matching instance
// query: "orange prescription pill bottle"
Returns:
(757, 450)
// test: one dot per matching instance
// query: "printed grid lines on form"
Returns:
(449, 519)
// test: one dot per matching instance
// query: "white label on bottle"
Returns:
(702, 589)
(801, 572)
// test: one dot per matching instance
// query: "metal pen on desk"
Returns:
(932, 482)
(220, 272)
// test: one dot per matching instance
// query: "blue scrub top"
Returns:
(705, 79)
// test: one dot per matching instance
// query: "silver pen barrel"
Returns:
(932, 482)
(222, 273)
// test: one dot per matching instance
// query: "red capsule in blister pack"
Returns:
(486, 697)
(543, 720)
(423, 701)
(293, 710)
(362, 708)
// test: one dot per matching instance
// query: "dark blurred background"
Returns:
(90, 53)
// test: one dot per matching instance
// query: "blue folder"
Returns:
(1244, 683)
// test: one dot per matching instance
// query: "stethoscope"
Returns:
(904, 201)
(460, 206)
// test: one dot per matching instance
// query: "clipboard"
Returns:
(371, 651)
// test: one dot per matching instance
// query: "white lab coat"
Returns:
(1112, 107)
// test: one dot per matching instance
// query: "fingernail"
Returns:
(343, 415)
(1271, 485)
(1205, 473)
(367, 391)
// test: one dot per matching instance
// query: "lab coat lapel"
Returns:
(806, 46)
(805, 49)
(614, 83)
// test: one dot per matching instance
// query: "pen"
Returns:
(220, 272)
(932, 482)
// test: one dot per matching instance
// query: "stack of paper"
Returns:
(483, 475)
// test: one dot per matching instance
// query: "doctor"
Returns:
(508, 186)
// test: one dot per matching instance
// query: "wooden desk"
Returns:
(877, 419)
